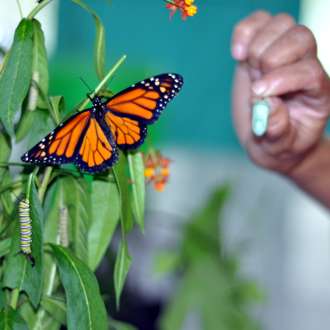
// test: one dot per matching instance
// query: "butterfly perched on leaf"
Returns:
(91, 138)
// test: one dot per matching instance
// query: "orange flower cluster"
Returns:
(156, 170)
(186, 7)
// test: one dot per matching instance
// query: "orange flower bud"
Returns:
(159, 186)
(149, 172)
(191, 10)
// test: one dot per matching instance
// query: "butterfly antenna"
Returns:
(90, 90)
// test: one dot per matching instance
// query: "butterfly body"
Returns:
(91, 138)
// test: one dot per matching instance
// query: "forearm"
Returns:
(313, 174)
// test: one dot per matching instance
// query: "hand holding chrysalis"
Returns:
(277, 62)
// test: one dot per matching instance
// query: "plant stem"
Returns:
(19, 8)
(5, 164)
(44, 183)
(37, 8)
(14, 298)
(104, 81)
(28, 187)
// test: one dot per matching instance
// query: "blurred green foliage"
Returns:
(210, 287)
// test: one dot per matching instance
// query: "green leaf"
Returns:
(2, 297)
(5, 151)
(50, 323)
(136, 171)
(122, 265)
(39, 68)
(181, 303)
(5, 177)
(24, 128)
(85, 307)
(77, 198)
(5, 245)
(100, 39)
(52, 205)
(55, 307)
(52, 212)
(201, 235)
(121, 174)
(57, 106)
(16, 76)
(210, 286)
(6, 197)
(11, 320)
(105, 216)
(205, 293)
(38, 319)
(57, 103)
(19, 272)
(116, 325)
(41, 123)
(28, 313)
(166, 261)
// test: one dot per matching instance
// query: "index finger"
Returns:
(245, 31)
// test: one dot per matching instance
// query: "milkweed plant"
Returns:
(51, 244)
(56, 223)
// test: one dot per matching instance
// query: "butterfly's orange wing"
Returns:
(131, 110)
(80, 140)
(97, 150)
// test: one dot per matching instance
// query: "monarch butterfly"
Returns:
(25, 229)
(91, 138)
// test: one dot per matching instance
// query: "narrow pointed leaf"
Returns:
(77, 198)
(122, 265)
(85, 307)
(105, 216)
(52, 206)
(16, 75)
(39, 68)
(121, 174)
(136, 171)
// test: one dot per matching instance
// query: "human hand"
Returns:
(277, 60)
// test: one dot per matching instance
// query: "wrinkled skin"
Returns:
(277, 60)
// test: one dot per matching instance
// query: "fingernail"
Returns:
(259, 88)
(238, 52)
(260, 114)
